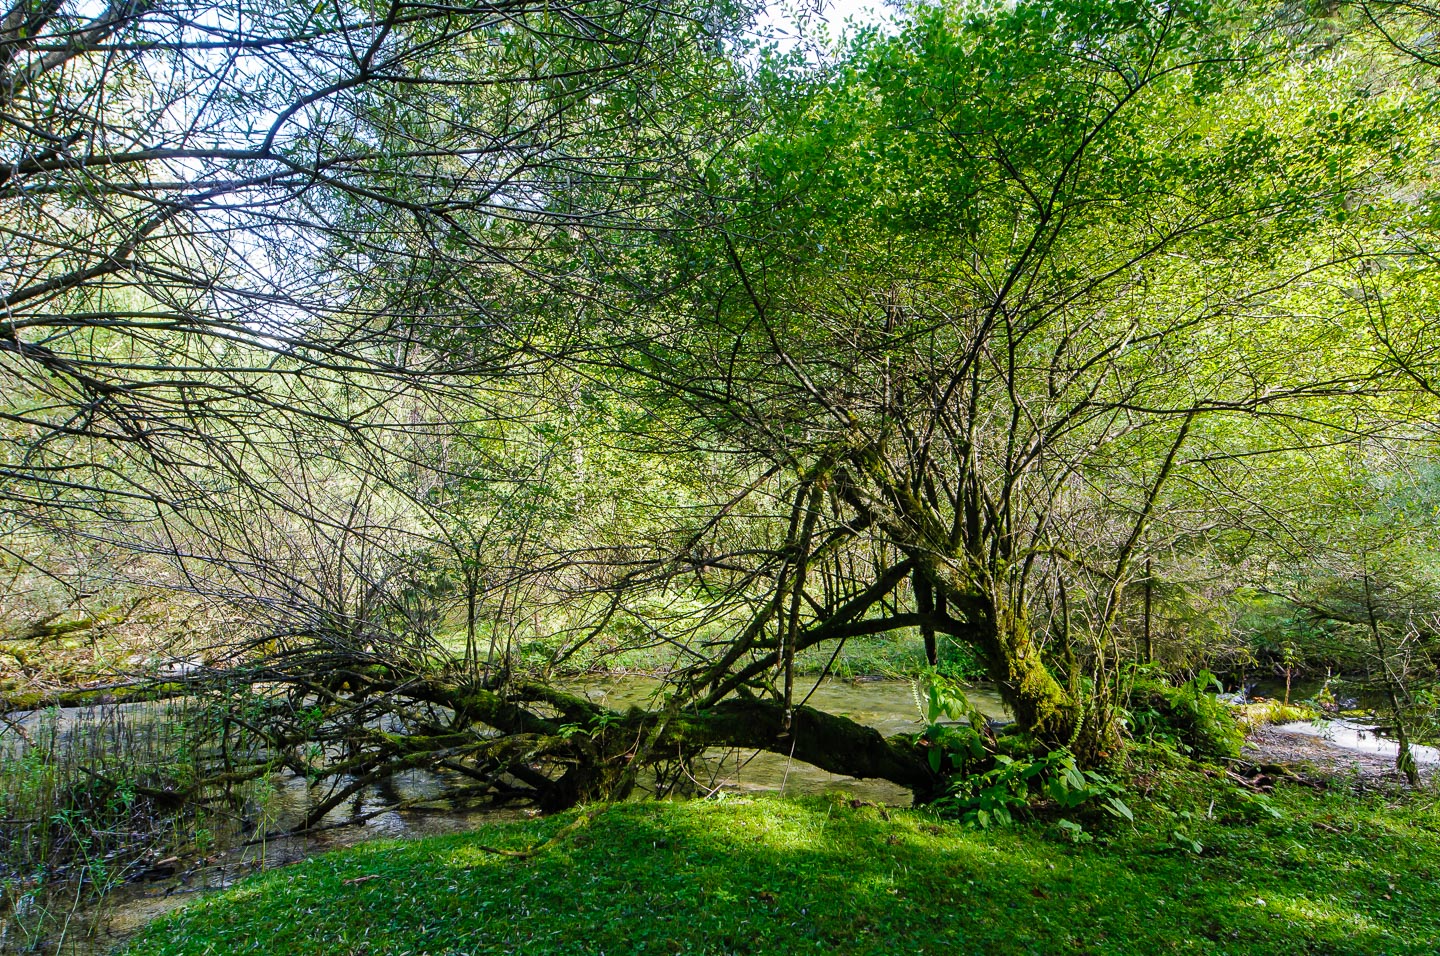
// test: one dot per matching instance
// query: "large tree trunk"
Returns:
(1012, 657)
(959, 575)
(1040, 703)
(511, 741)
(832, 743)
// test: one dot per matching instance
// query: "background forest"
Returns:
(369, 371)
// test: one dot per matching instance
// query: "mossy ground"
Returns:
(1326, 872)
(1262, 713)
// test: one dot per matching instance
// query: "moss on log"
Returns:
(92, 696)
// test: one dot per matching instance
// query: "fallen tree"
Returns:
(536, 743)
(347, 725)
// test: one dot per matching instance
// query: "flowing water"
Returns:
(88, 737)
(1351, 734)
(888, 706)
(1359, 737)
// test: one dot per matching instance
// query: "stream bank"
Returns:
(888, 706)
(1327, 873)
(1341, 750)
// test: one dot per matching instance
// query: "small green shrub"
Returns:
(950, 748)
(995, 797)
(1187, 717)
(994, 779)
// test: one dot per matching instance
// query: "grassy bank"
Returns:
(1304, 872)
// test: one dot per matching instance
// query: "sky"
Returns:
(789, 18)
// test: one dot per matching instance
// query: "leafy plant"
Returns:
(1181, 840)
(996, 796)
(1072, 788)
(948, 747)
(1187, 717)
(1075, 832)
(992, 798)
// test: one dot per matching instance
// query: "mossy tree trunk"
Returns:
(962, 568)
(1013, 660)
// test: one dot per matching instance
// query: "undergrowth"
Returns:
(91, 798)
(1186, 717)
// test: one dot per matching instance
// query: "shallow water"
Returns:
(888, 706)
(1361, 738)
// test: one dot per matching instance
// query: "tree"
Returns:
(251, 256)
(203, 210)
(952, 338)
(991, 291)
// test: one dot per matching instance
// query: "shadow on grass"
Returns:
(815, 876)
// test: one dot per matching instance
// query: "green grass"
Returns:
(1334, 874)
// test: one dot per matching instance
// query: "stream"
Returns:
(1358, 737)
(888, 706)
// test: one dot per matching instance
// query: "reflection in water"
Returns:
(888, 706)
